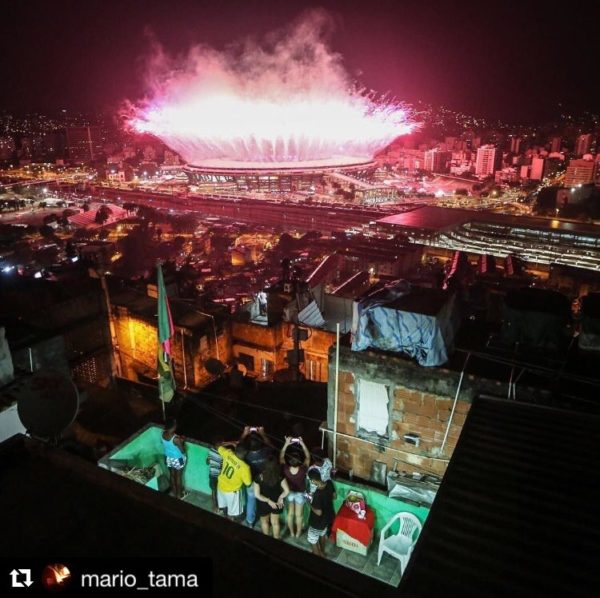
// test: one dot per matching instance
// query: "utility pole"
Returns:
(292, 281)
(115, 357)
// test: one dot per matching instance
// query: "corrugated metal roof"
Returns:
(517, 512)
(311, 316)
(320, 273)
(352, 285)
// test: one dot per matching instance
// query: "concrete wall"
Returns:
(316, 350)
(260, 342)
(138, 345)
(273, 342)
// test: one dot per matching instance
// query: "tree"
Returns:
(130, 207)
(149, 214)
(286, 243)
(184, 224)
(102, 215)
(178, 243)
(46, 257)
(86, 207)
(46, 231)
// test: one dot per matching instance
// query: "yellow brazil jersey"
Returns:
(234, 472)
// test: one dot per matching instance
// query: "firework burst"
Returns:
(287, 100)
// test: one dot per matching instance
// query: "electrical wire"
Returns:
(529, 366)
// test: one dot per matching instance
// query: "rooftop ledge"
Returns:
(141, 459)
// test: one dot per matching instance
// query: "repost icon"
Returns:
(21, 578)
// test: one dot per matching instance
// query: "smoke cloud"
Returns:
(281, 99)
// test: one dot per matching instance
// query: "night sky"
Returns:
(514, 61)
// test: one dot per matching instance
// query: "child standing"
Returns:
(294, 468)
(270, 489)
(321, 512)
(175, 456)
(322, 464)
(235, 473)
(215, 463)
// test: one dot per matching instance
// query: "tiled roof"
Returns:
(88, 219)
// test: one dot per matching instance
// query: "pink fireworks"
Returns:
(287, 101)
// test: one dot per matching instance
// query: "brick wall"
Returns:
(411, 411)
(420, 402)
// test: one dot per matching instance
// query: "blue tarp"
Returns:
(426, 338)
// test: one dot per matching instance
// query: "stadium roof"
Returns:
(438, 219)
(517, 511)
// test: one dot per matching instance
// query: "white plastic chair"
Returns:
(400, 545)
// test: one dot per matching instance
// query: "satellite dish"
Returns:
(48, 403)
(214, 366)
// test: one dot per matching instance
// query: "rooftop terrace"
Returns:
(144, 450)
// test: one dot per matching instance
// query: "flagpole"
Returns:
(160, 398)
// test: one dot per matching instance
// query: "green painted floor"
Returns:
(388, 572)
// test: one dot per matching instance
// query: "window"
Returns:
(247, 361)
(373, 414)
(266, 367)
(313, 370)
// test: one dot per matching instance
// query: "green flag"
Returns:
(166, 380)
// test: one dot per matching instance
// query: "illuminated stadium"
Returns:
(278, 177)
(271, 118)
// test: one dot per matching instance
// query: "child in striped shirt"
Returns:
(214, 462)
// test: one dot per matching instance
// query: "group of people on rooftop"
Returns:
(250, 480)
